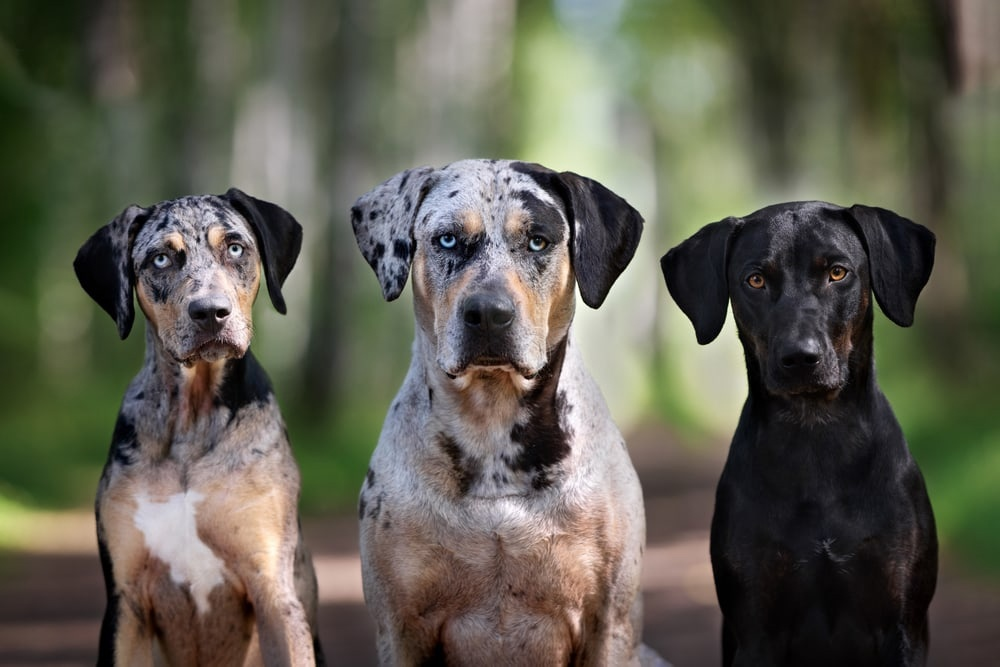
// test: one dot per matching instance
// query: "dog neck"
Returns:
(194, 392)
(511, 428)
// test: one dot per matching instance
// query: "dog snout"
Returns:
(802, 355)
(209, 313)
(804, 363)
(488, 312)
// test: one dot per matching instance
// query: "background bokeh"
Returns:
(691, 109)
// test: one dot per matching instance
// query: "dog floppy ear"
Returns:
(900, 259)
(279, 236)
(695, 272)
(604, 229)
(103, 266)
(383, 221)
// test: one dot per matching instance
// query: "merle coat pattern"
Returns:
(823, 542)
(501, 518)
(197, 506)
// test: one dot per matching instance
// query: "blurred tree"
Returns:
(411, 84)
(692, 109)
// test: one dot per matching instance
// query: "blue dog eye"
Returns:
(235, 250)
(537, 243)
(447, 241)
(161, 261)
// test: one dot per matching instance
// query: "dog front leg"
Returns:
(282, 627)
(124, 638)
(285, 638)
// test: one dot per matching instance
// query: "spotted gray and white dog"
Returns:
(501, 518)
(197, 507)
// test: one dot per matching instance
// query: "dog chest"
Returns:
(821, 566)
(170, 532)
(168, 540)
(505, 574)
(172, 572)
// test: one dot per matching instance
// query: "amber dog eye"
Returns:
(756, 281)
(837, 273)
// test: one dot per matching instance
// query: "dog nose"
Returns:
(800, 355)
(488, 312)
(210, 312)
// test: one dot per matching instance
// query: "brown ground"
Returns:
(51, 603)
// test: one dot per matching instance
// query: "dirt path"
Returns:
(51, 603)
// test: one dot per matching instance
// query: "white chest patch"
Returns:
(171, 532)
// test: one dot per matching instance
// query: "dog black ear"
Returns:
(383, 221)
(604, 229)
(900, 259)
(103, 266)
(695, 272)
(279, 236)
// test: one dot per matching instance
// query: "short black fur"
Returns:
(279, 236)
(823, 541)
(544, 441)
(245, 383)
(604, 229)
(124, 445)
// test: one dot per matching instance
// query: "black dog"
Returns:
(823, 543)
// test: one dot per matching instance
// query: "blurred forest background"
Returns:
(691, 109)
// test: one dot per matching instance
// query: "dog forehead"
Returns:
(492, 190)
(191, 218)
(806, 230)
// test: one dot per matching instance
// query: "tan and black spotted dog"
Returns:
(501, 518)
(197, 507)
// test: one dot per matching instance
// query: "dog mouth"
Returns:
(490, 364)
(816, 393)
(820, 386)
(212, 350)
(516, 351)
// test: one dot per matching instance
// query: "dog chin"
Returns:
(212, 351)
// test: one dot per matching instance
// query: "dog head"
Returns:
(495, 248)
(800, 277)
(195, 264)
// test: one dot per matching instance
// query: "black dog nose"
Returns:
(210, 312)
(488, 312)
(801, 354)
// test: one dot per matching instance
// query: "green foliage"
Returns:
(333, 455)
(55, 443)
(960, 458)
(948, 411)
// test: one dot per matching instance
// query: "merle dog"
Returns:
(501, 518)
(197, 517)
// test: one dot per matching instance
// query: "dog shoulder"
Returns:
(393, 464)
